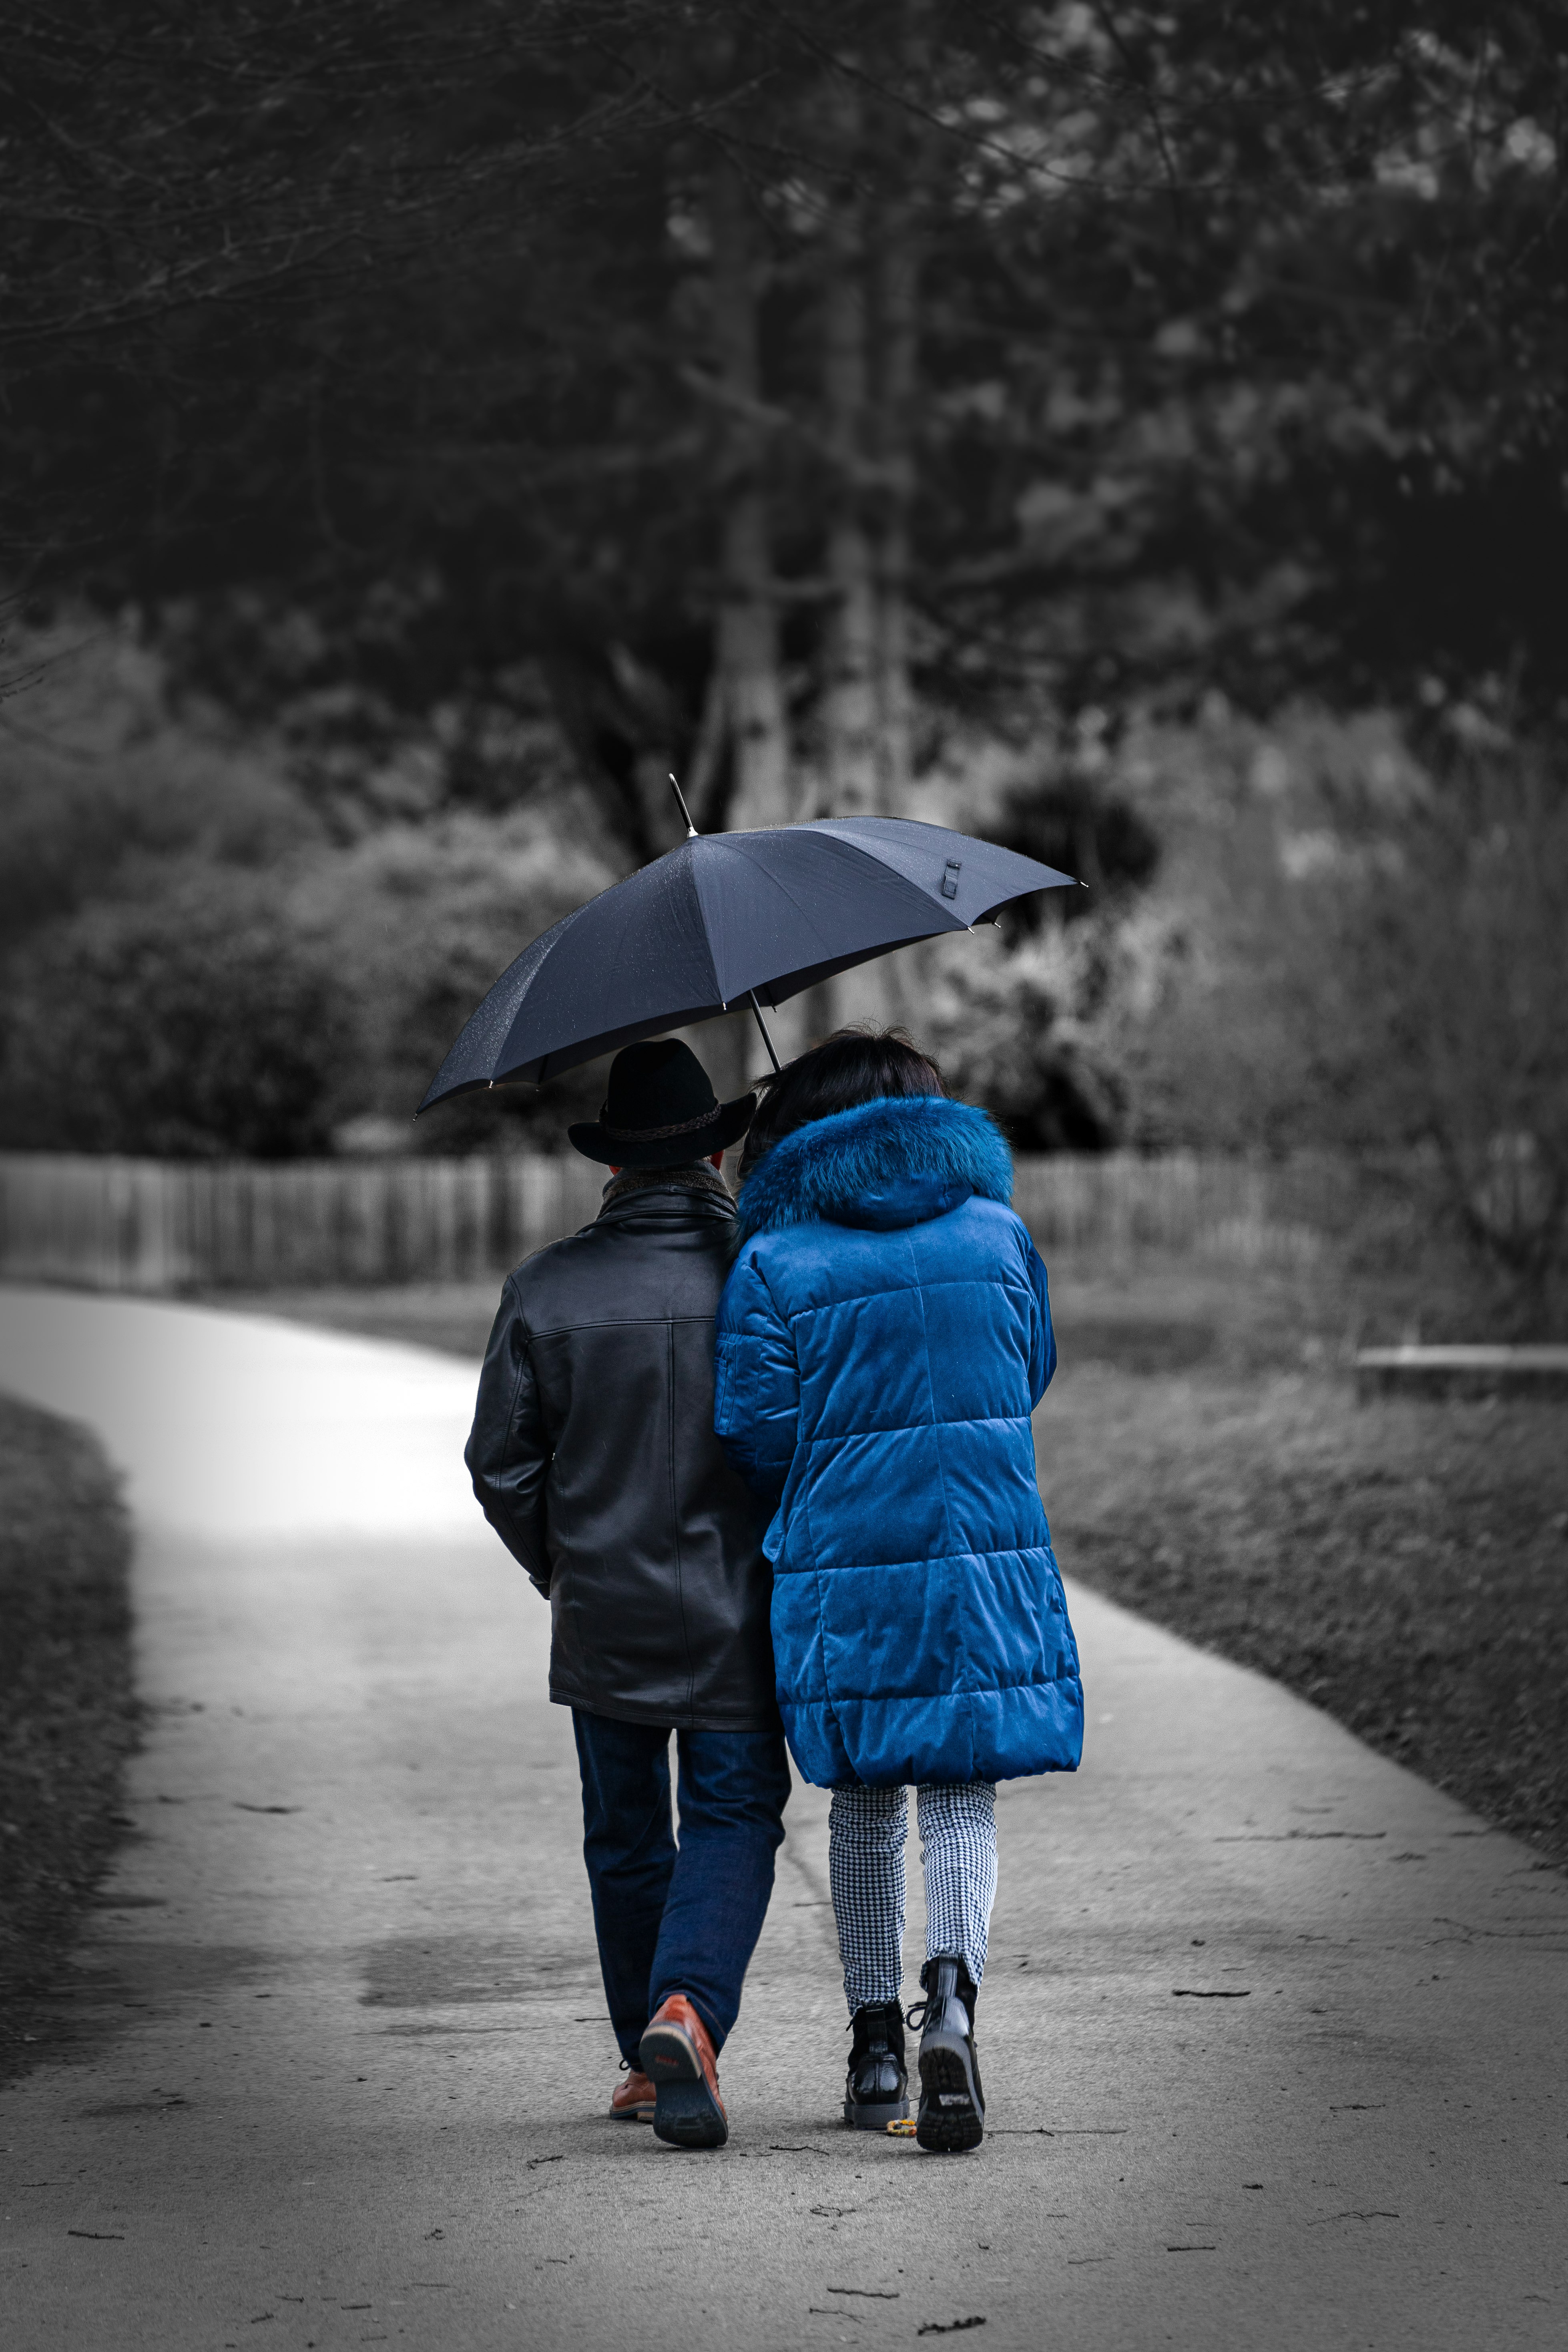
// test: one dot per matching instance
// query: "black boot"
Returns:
(875, 2094)
(953, 2105)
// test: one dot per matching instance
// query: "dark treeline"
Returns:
(736, 358)
(787, 392)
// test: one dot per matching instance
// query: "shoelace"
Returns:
(915, 2018)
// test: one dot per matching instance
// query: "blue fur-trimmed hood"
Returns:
(898, 1160)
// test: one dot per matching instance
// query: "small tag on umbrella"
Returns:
(950, 879)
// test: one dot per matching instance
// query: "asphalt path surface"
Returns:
(1273, 2034)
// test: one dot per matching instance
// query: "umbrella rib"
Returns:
(850, 853)
(611, 959)
(567, 923)
(688, 877)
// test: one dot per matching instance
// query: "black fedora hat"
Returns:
(660, 1111)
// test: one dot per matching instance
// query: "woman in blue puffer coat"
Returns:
(884, 1336)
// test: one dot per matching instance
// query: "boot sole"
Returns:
(951, 2116)
(686, 2114)
(874, 2115)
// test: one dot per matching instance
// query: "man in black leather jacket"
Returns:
(593, 1452)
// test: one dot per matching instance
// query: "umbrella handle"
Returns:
(763, 1025)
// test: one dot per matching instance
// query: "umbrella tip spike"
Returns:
(680, 797)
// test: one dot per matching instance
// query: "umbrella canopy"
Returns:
(698, 930)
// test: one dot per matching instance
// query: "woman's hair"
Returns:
(853, 1065)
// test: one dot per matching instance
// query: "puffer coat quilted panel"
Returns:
(884, 1336)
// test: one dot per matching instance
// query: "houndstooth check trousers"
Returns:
(866, 1829)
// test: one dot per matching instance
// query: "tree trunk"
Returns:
(849, 686)
(896, 289)
(749, 653)
(904, 161)
(895, 706)
(747, 636)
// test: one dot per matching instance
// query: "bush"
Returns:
(193, 1025)
(103, 775)
(1376, 960)
(1002, 1042)
(1442, 1011)
(421, 920)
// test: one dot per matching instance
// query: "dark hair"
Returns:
(853, 1065)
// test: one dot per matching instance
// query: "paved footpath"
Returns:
(1274, 2035)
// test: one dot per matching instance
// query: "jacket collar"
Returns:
(669, 1206)
(695, 1176)
(895, 1161)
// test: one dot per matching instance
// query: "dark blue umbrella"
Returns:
(724, 920)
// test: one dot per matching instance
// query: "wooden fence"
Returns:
(163, 1226)
(1112, 1205)
(155, 1226)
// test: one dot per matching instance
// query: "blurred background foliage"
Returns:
(1136, 431)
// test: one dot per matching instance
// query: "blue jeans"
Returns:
(679, 1918)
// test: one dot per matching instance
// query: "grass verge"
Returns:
(68, 1715)
(1402, 1565)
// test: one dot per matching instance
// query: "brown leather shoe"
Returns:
(631, 2102)
(677, 2056)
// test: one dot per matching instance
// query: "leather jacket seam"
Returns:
(617, 1323)
(675, 1512)
(510, 1453)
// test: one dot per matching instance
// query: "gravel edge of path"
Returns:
(69, 1719)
